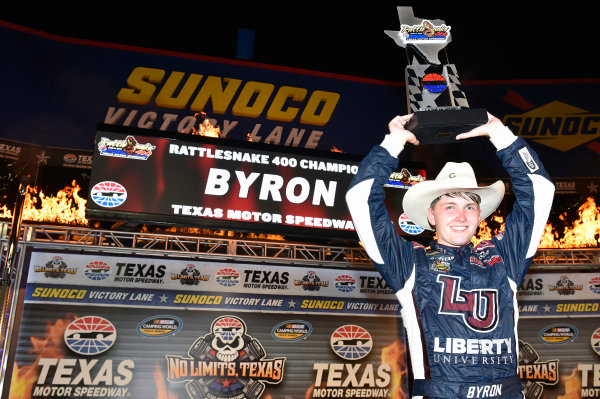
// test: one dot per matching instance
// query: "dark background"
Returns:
(490, 40)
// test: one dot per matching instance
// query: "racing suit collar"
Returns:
(435, 246)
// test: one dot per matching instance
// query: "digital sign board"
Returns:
(181, 179)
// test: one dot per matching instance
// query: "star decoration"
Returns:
(226, 382)
(42, 158)
(547, 308)
(592, 187)
(163, 298)
(291, 303)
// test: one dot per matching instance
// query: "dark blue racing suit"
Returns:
(459, 305)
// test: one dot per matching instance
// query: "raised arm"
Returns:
(365, 198)
(533, 190)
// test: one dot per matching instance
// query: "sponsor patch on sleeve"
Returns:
(528, 159)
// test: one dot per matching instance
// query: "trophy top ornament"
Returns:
(426, 36)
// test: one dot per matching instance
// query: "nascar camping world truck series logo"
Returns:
(225, 363)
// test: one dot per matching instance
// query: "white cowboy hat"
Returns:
(452, 178)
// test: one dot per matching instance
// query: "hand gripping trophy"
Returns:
(433, 90)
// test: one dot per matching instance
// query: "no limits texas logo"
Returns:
(226, 363)
(535, 373)
(557, 125)
(55, 268)
(189, 275)
(311, 282)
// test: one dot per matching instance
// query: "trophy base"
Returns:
(438, 126)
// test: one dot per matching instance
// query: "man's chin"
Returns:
(457, 240)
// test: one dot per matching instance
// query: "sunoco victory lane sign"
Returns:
(194, 180)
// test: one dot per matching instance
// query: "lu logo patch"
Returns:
(478, 308)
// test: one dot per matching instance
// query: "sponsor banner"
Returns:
(40, 156)
(207, 182)
(560, 287)
(567, 307)
(126, 272)
(572, 185)
(79, 337)
(96, 340)
(119, 352)
(140, 297)
(558, 359)
(269, 104)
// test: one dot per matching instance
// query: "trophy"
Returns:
(433, 90)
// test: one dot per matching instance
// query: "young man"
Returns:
(458, 301)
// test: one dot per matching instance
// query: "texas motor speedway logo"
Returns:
(225, 363)
(82, 373)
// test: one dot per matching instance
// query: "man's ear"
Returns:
(430, 217)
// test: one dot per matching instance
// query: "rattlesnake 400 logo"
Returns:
(226, 363)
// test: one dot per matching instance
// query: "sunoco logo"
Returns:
(293, 330)
(351, 342)
(557, 125)
(558, 334)
(225, 363)
(90, 335)
(159, 326)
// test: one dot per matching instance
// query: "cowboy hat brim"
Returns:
(420, 196)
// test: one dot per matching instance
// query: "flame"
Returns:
(161, 388)
(572, 384)
(582, 233)
(51, 345)
(66, 207)
(5, 212)
(207, 129)
(335, 149)
(485, 232)
(394, 356)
